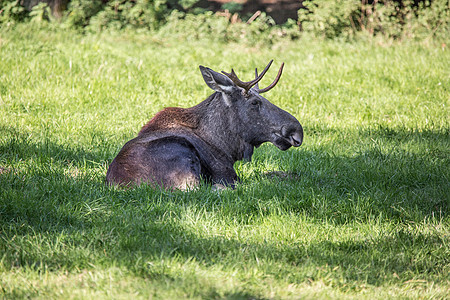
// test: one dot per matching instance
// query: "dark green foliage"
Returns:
(101, 14)
(232, 7)
(389, 18)
(80, 12)
(121, 14)
(329, 18)
(208, 25)
(11, 11)
(393, 19)
(40, 13)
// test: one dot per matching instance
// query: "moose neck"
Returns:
(219, 127)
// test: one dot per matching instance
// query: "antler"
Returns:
(249, 84)
(260, 91)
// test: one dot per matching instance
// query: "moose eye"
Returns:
(255, 102)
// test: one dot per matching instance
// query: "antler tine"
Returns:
(273, 83)
(246, 85)
(235, 79)
(256, 76)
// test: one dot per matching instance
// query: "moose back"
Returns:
(180, 147)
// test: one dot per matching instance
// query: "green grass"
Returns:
(360, 211)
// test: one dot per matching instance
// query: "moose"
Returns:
(181, 147)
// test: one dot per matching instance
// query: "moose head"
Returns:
(179, 147)
(258, 119)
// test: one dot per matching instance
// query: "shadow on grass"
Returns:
(44, 201)
(380, 176)
(398, 255)
(22, 147)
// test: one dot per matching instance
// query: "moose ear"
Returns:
(217, 81)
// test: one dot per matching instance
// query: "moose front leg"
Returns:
(225, 178)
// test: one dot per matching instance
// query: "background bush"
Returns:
(117, 14)
(207, 25)
(392, 19)
(397, 19)
(12, 11)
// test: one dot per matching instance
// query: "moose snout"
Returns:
(294, 134)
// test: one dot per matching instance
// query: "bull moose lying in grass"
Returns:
(179, 147)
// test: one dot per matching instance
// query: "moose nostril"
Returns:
(294, 142)
(293, 134)
(296, 139)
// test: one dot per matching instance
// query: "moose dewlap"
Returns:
(179, 147)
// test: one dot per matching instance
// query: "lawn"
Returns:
(359, 211)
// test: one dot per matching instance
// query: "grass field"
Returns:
(360, 211)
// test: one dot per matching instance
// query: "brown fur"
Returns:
(171, 117)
